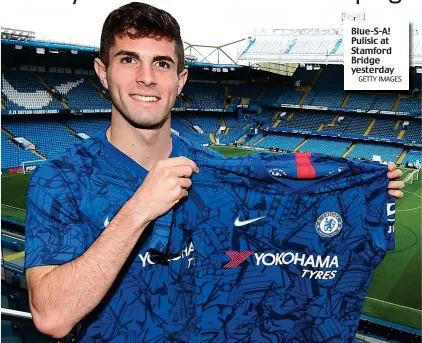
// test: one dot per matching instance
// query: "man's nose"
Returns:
(146, 76)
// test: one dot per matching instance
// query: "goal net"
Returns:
(30, 166)
(412, 176)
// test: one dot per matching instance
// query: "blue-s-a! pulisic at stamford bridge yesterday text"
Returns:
(284, 247)
(71, 199)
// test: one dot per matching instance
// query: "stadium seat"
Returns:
(24, 91)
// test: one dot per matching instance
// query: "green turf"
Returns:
(397, 280)
(13, 196)
(394, 293)
(231, 151)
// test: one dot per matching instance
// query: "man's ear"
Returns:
(183, 76)
(101, 71)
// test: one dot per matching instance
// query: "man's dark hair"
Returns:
(139, 20)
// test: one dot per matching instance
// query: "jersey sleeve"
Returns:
(54, 234)
(381, 215)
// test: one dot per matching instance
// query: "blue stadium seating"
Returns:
(328, 89)
(78, 91)
(88, 125)
(283, 141)
(410, 105)
(412, 156)
(384, 128)
(276, 95)
(384, 102)
(236, 129)
(361, 101)
(251, 140)
(367, 150)
(351, 124)
(365, 101)
(326, 146)
(205, 95)
(305, 76)
(266, 117)
(246, 90)
(38, 131)
(208, 123)
(181, 124)
(24, 91)
(179, 103)
(413, 132)
(306, 120)
(325, 98)
(12, 156)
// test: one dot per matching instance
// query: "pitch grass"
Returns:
(395, 291)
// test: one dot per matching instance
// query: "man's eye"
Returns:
(128, 60)
(163, 64)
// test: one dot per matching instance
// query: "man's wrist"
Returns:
(133, 212)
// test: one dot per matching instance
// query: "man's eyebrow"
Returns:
(163, 58)
(127, 53)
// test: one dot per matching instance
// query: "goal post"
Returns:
(412, 176)
(30, 166)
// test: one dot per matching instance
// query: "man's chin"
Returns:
(147, 124)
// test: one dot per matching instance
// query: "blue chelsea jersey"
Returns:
(70, 201)
(283, 247)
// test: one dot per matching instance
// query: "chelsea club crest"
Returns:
(329, 224)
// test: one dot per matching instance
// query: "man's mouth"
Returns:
(145, 98)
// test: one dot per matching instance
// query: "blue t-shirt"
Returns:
(70, 200)
(285, 246)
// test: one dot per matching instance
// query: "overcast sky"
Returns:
(213, 22)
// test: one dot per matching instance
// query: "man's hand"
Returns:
(394, 187)
(166, 183)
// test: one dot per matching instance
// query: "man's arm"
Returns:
(60, 296)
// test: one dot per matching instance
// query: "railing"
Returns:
(14, 313)
(16, 236)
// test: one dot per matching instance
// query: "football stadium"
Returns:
(283, 93)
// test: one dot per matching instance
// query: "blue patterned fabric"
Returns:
(70, 200)
(284, 249)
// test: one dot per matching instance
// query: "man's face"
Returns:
(142, 79)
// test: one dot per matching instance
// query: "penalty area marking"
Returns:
(410, 209)
(16, 208)
(386, 302)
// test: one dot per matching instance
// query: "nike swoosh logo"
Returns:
(106, 222)
(246, 222)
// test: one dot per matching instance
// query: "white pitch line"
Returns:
(16, 208)
(7, 175)
(405, 172)
(386, 302)
(413, 194)
(410, 209)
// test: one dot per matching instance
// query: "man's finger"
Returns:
(391, 166)
(394, 174)
(396, 185)
(185, 182)
(180, 161)
(181, 171)
(396, 193)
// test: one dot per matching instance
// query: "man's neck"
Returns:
(145, 147)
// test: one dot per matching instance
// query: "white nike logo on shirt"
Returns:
(246, 222)
(106, 222)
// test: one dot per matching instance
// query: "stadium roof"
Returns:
(312, 46)
(195, 55)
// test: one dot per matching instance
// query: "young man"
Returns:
(87, 253)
